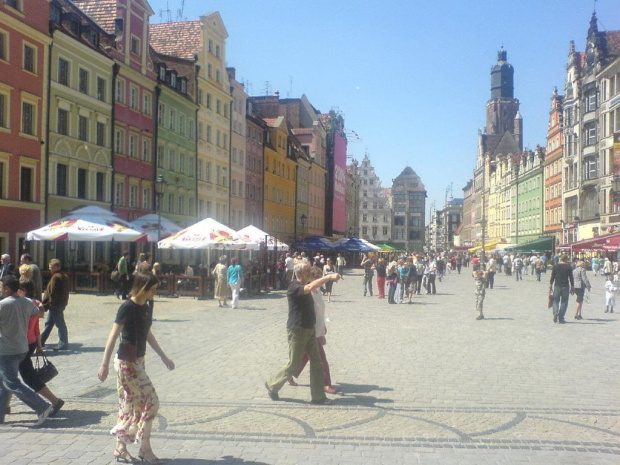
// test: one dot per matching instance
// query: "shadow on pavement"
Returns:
(73, 349)
(227, 459)
(346, 388)
(498, 318)
(64, 419)
(602, 320)
(168, 320)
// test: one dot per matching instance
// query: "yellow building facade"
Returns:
(280, 181)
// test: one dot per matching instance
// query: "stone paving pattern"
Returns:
(420, 383)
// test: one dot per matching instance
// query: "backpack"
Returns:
(419, 268)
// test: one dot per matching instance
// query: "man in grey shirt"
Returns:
(15, 313)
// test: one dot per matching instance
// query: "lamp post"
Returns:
(160, 186)
(303, 218)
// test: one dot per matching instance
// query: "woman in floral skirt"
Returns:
(138, 401)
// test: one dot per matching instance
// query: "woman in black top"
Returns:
(138, 401)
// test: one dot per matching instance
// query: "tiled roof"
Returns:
(102, 11)
(182, 39)
(273, 122)
(612, 40)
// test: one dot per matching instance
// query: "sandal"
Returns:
(152, 458)
(124, 456)
(292, 382)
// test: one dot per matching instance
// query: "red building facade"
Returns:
(24, 48)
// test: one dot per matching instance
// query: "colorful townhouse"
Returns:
(527, 197)
(254, 172)
(306, 124)
(206, 38)
(133, 78)
(280, 181)
(176, 150)
(24, 49)
(238, 155)
(552, 167)
(79, 161)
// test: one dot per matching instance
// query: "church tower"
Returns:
(502, 108)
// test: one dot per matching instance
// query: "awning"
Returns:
(539, 245)
(609, 242)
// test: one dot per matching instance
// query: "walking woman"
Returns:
(328, 269)
(235, 278)
(581, 284)
(138, 401)
(392, 277)
(221, 281)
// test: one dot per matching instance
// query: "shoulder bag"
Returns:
(44, 369)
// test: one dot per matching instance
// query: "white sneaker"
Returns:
(42, 417)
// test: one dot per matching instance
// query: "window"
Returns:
(218, 106)
(28, 123)
(591, 101)
(161, 113)
(181, 205)
(25, 188)
(83, 128)
(208, 133)
(173, 80)
(171, 121)
(119, 193)
(218, 75)
(199, 170)
(133, 146)
(241, 189)
(119, 143)
(63, 72)
(120, 91)
(233, 187)
(100, 187)
(135, 45)
(217, 51)
(208, 171)
(146, 199)
(385, 230)
(146, 104)
(162, 73)
(199, 98)
(61, 179)
(200, 130)
(590, 134)
(29, 59)
(62, 125)
(171, 160)
(208, 100)
(133, 196)
(171, 203)
(101, 85)
(209, 70)
(3, 46)
(160, 156)
(191, 125)
(100, 134)
(182, 163)
(190, 166)
(217, 137)
(83, 81)
(146, 150)
(133, 98)
(191, 206)
(182, 124)
(81, 184)
(210, 45)
(4, 111)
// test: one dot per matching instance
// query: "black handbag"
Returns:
(45, 370)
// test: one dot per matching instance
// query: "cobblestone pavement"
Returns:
(421, 383)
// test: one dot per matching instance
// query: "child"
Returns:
(609, 295)
(480, 277)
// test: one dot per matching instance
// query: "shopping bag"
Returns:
(550, 300)
(45, 370)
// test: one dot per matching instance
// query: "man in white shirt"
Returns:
(289, 264)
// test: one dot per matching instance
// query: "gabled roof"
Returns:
(181, 39)
(102, 11)
(507, 145)
(612, 43)
(274, 122)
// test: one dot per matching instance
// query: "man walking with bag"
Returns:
(55, 300)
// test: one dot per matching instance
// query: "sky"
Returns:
(411, 78)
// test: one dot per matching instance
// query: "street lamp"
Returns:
(160, 186)
(350, 231)
(303, 218)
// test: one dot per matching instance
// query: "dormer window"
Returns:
(74, 26)
(183, 86)
(162, 73)
(55, 13)
(173, 80)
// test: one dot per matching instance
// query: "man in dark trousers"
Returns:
(55, 300)
(562, 277)
(301, 334)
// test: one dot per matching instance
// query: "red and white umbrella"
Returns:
(207, 234)
(253, 234)
(87, 224)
